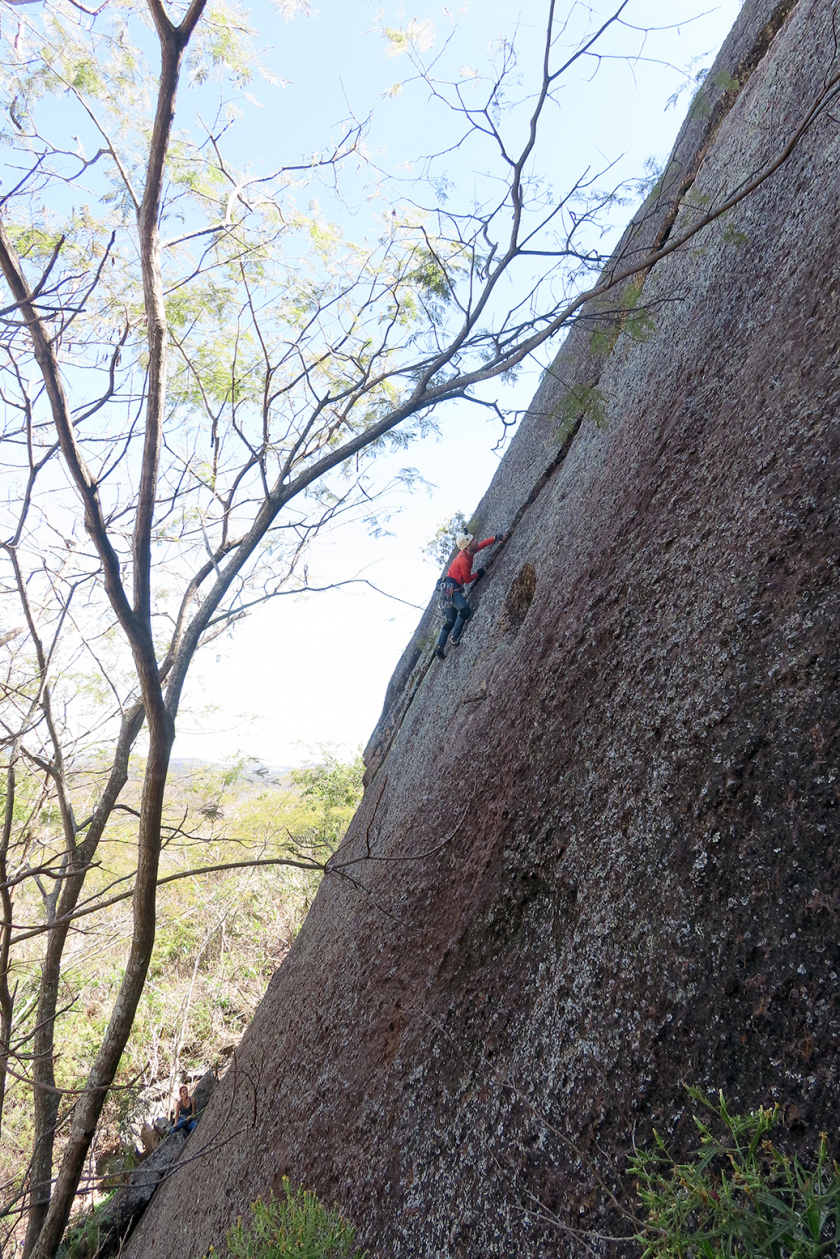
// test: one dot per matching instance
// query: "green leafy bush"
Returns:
(82, 1237)
(294, 1226)
(739, 1196)
(332, 790)
(581, 401)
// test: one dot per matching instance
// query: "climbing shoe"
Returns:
(438, 651)
(453, 642)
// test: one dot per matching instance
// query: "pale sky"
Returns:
(311, 670)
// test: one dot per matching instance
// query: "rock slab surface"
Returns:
(598, 855)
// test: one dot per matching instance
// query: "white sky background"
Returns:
(313, 669)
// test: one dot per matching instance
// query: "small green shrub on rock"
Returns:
(82, 1237)
(740, 1196)
(293, 1226)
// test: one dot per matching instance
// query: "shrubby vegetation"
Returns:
(82, 1238)
(220, 937)
(739, 1195)
(331, 790)
(294, 1226)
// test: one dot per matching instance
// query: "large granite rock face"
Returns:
(598, 855)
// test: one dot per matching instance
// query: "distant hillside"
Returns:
(252, 771)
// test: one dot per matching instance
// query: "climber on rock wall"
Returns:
(184, 1115)
(456, 610)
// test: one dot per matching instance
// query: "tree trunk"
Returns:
(89, 1106)
(6, 995)
(46, 1099)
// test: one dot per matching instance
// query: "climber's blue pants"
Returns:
(457, 615)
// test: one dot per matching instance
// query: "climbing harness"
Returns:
(445, 588)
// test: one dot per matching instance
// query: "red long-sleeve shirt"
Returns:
(460, 569)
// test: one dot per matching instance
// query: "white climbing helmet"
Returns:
(463, 540)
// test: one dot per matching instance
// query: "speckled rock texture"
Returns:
(598, 856)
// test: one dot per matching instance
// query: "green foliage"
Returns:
(637, 321)
(630, 318)
(700, 105)
(82, 1237)
(693, 80)
(344, 305)
(651, 181)
(739, 1196)
(733, 236)
(430, 276)
(333, 789)
(294, 1226)
(724, 80)
(585, 402)
(219, 936)
(441, 545)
